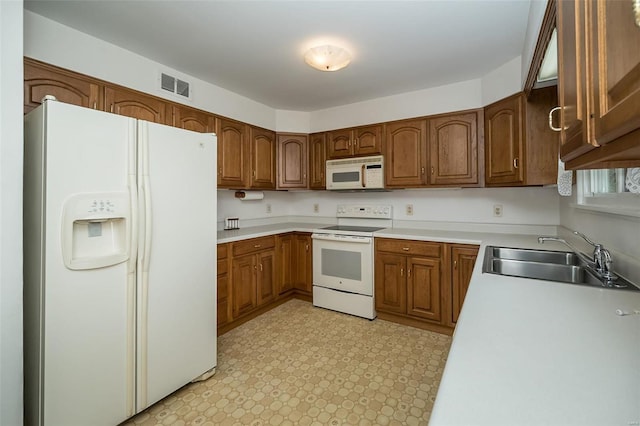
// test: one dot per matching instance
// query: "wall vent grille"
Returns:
(175, 85)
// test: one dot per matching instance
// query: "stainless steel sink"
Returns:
(544, 256)
(559, 266)
(541, 271)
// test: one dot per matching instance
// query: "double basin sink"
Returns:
(559, 266)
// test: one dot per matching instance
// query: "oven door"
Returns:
(343, 263)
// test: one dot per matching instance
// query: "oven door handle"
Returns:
(342, 238)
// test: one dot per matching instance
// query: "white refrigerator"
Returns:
(119, 264)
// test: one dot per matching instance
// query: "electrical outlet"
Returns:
(409, 209)
(497, 210)
(316, 208)
(268, 208)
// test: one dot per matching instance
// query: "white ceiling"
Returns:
(255, 48)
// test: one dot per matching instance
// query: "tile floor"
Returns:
(300, 365)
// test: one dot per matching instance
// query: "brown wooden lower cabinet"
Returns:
(294, 263)
(413, 284)
(252, 274)
(463, 259)
(259, 274)
(224, 308)
(417, 283)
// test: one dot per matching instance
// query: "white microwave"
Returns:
(355, 173)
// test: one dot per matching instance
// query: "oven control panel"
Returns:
(369, 211)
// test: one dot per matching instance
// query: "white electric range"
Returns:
(343, 259)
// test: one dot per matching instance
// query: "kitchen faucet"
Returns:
(602, 261)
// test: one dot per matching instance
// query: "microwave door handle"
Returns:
(362, 176)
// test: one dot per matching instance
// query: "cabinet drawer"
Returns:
(222, 251)
(253, 245)
(409, 247)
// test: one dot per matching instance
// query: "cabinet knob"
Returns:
(402, 272)
(433, 171)
(405, 248)
(261, 267)
(256, 245)
(409, 273)
(306, 247)
(515, 163)
(422, 170)
(455, 264)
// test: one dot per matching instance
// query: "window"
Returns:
(613, 190)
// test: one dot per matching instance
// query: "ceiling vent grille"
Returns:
(175, 85)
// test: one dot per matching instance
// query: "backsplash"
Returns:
(520, 206)
(620, 234)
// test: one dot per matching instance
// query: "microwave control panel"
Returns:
(378, 211)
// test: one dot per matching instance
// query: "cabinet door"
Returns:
(340, 144)
(463, 259)
(284, 271)
(573, 78)
(223, 297)
(244, 287)
(423, 288)
(41, 80)
(292, 161)
(453, 142)
(263, 159)
(133, 104)
(504, 141)
(405, 153)
(233, 154)
(266, 276)
(390, 283)
(191, 119)
(222, 294)
(302, 262)
(368, 140)
(615, 34)
(317, 161)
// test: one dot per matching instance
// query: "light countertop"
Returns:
(528, 352)
(532, 352)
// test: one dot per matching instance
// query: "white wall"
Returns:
(502, 82)
(50, 42)
(11, 383)
(57, 44)
(521, 206)
(620, 234)
(451, 97)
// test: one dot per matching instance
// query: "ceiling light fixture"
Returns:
(327, 58)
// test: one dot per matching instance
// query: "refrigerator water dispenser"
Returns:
(96, 230)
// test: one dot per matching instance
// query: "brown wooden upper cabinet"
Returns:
(504, 141)
(572, 86)
(292, 161)
(263, 158)
(453, 149)
(317, 161)
(405, 153)
(520, 148)
(599, 83)
(135, 104)
(233, 153)
(357, 142)
(72, 88)
(191, 119)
